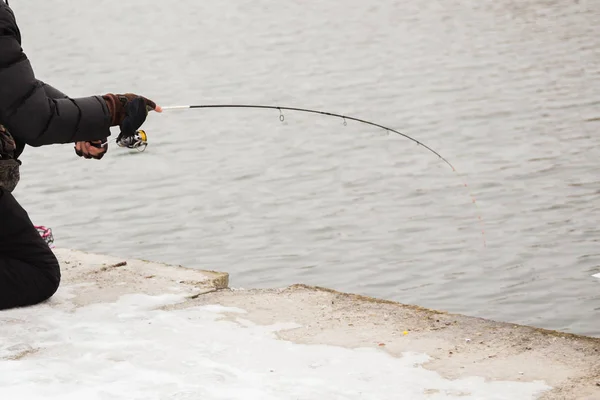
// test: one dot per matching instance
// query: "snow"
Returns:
(596, 276)
(129, 349)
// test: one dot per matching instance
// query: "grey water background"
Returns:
(507, 91)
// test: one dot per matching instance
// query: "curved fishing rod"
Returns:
(281, 117)
(139, 140)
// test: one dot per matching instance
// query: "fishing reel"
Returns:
(138, 141)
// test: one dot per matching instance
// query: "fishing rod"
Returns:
(139, 140)
(282, 118)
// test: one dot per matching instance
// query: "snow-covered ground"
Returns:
(131, 349)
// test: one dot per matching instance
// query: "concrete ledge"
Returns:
(458, 346)
(114, 277)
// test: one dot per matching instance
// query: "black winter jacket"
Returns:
(35, 113)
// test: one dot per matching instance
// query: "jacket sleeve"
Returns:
(36, 113)
(52, 92)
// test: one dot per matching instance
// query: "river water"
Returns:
(507, 91)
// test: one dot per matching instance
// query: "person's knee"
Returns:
(53, 278)
(24, 284)
(48, 284)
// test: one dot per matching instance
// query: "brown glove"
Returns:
(96, 149)
(9, 165)
(129, 111)
(120, 104)
(7, 144)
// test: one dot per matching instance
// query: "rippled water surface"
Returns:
(507, 91)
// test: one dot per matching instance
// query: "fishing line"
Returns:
(344, 117)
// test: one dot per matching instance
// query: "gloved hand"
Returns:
(129, 111)
(7, 144)
(9, 165)
(96, 149)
